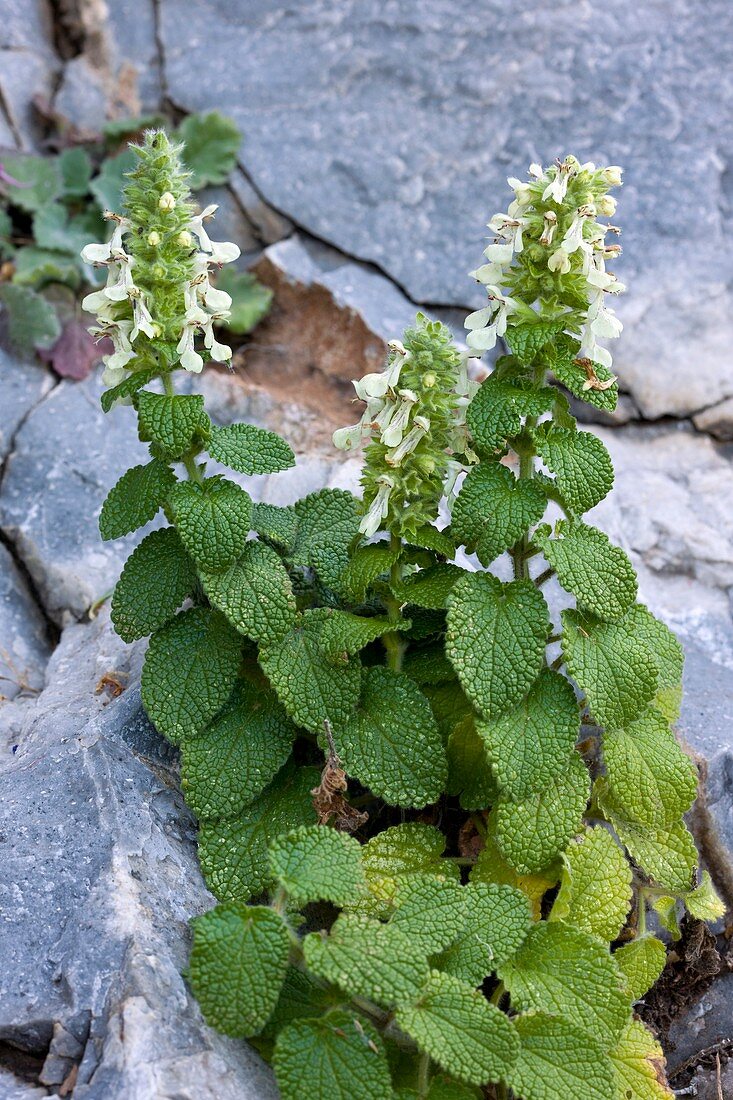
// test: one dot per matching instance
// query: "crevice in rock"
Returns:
(7, 115)
(160, 51)
(69, 32)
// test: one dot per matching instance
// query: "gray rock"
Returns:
(24, 642)
(231, 222)
(717, 420)
(67, 457)
(705, 1023)
(132, 49)
(22, 386)
(100, 880)
(399, 139)
(82, 96)
(269, 225)
(28, 66)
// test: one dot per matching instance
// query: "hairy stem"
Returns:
(393, 642)
(423, 1076)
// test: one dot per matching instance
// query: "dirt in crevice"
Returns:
(693, 963)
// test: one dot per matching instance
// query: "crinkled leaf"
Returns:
(135, 499)
(340, 1054)
(641, 962)
(394, 857)
(327, 521)
(533, 831)
(107, 186)
(37, 267)
(558, 1061)
(156, 579)
(210, 145)
(431, 538)
(565, 972)
(367, 564)
(75, 166)
(237, 966)
(704, 903)
(496, 639)
(469, 772)
(595, 887)
(430, 587)
(316, 863)
(310, 684)
(495, 413)
(668, 854)
(391, 743)
(639, 1065)
(647, 771)
(430, 911)
(190, 670)
(531, 744)
(368, 959)
(526, 340)
(255, 594)
(233, 851)
(39, 179)
(345, 634)
(212, 520)
(250, 450)
(589, 566)
(128, 387)
(497, 921)
(576, 374)
(171, 422)
(493, 868)
(461, 1031)
(31, 319)
(251, 300)
(494, 509)
(53, 229)
(667, 655)
(581, 464)
(228, 764)
(611, 664)
(277, 525)
(428, 665)
(301, 996)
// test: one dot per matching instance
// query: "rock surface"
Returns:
(100, 879)
(24, 642)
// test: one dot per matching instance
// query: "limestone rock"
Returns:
(100, 880)
(22, 386)
(24, 641)
(28, 67)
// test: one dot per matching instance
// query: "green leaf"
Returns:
(31, 319)
(428, 537)
(237, 966)
(469, 772)
(171, 422)
(310, 684)
(668, 657)
(391, 743)
(430, 911)
(76, 170)
(581, 464)
(428, 665)
(461, 1031)
(128, 387)
(496, 639)
(565, 972)
(558, 1061)
(595, 887)
(251, 300)
(345, 634)
(533, 831)
(53, 230)
(668, 855)
(316, 863)
(641, 962)
(491, 867)
(430, 587)
(647, 771)
(190, 670)
(393, 858)
(493, 510)
(526, 340)
(37, 267)
(570, 372)
(639, 1065)
(340, 1054)
(667, 911)
(156, 579)
(250, 450)
(107, 186)
(255, 594)
(368, 959)
(233, 851)
(328, 518)
(211, 143)
(589, 566)
(497, 921)
(611, 665)
(704, 903)
(366, 565)
(135, 499)
(300, 997)
(228, 764)
(212, 520)
(531, 744)
(496, 411)
(39, 177)
(277, 525)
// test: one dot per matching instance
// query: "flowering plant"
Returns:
(435, 806)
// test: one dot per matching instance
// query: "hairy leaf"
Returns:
(581, 464)
(171, 422)
(366, 565)
(31, 319)
(577, 374)
(496, 639)
(598, 574)
(531, 744)
(237, 966)
(255, 594)
(316, 863)
(128, 387)
(156, 579)
(469, 771)
(339, 1051)
(641, 962)
(639, 1065)
(108, 184)
(250, 450)
(345, 634)
(135, 499)
(394, 857)
(277, 525)
(497, 921)
(491, 867)
(495, 413)
(430, 911)
(595, 888)
(391, 743)
(526, 340)
(431, 587)
(494, 509)
(210, 145)
(212, 520)
(704, 903)
(460, 1030)
(558, 1061)
(38, 178)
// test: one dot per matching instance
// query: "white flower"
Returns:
(143, 322)
(559, 261)
(612, 175)
(488, 274)
(215, 299)
(112, 376)
(346, 438)
(185, 239)
(499, 253)
(189, 357)
(453, 472)
(153, 238)
(214, 252)
(371, 385)
(379, 507)
(483, 339)
(558, 186)
(112, 250)
(549, 227)
(120, 289)
(166, 202)
(420, 428)
(607, 206)
(536, 170)
(220, 353)
(509, 229)
(399, 420)
(522, 190)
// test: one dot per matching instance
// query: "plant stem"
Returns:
(423, 1076)
(393, 643)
